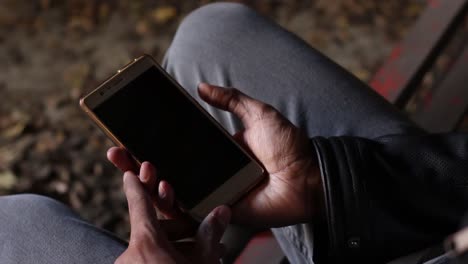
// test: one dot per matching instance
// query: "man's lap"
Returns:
(228, 45)
(37, 229)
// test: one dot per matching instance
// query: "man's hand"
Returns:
(150, 237)
(289, 194)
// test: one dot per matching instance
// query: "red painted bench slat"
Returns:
(412, 57)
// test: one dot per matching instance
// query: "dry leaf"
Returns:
(7, 180)
(142, 28)
(13, 131)
(163, 14)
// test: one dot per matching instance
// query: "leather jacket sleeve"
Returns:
(390, 196)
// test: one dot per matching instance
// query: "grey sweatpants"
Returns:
(228, 45)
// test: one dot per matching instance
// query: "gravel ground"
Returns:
(54, 51)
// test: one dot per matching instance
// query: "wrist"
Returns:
(308, 188)
(314, 196)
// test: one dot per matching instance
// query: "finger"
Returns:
(122, 159)
(176, 229)
(210, 232)
(148, 177)
(232, 100)
(143, 221)
(167, 204)
(166, 194)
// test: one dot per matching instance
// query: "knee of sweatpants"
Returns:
(30, 206)
(217, 16)
(296, 242)
(209, 26)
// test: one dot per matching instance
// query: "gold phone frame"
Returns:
(230, 191)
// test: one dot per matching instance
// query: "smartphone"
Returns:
(144, 110)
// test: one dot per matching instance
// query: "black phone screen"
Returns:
(158, 123)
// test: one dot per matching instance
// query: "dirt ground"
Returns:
(54, 51)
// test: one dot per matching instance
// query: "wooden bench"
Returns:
(426, 73)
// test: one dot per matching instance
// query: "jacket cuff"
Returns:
(341, 235)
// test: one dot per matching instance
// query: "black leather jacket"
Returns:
(390, 196)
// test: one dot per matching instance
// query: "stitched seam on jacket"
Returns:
(344, 181)
(339, 203)
(356, 224)
(349, 194)
(319, 143)
(365, 201)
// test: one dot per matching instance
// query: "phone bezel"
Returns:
(231, 190)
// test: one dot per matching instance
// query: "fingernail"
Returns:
(161, 191)
(204, 87)
(126, 175)
(223, 215)
(144, 176)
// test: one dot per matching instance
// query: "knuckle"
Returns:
(207, 232)
(232, 98)
(212, 230)
(148, 235)
(266, 108)
(214, 93)
(231, 94)
(138, 243)
(135, 201)
(134, 196)
(143, 241)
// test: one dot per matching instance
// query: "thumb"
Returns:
(210, 232)
(232, 100)
(143, 220)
